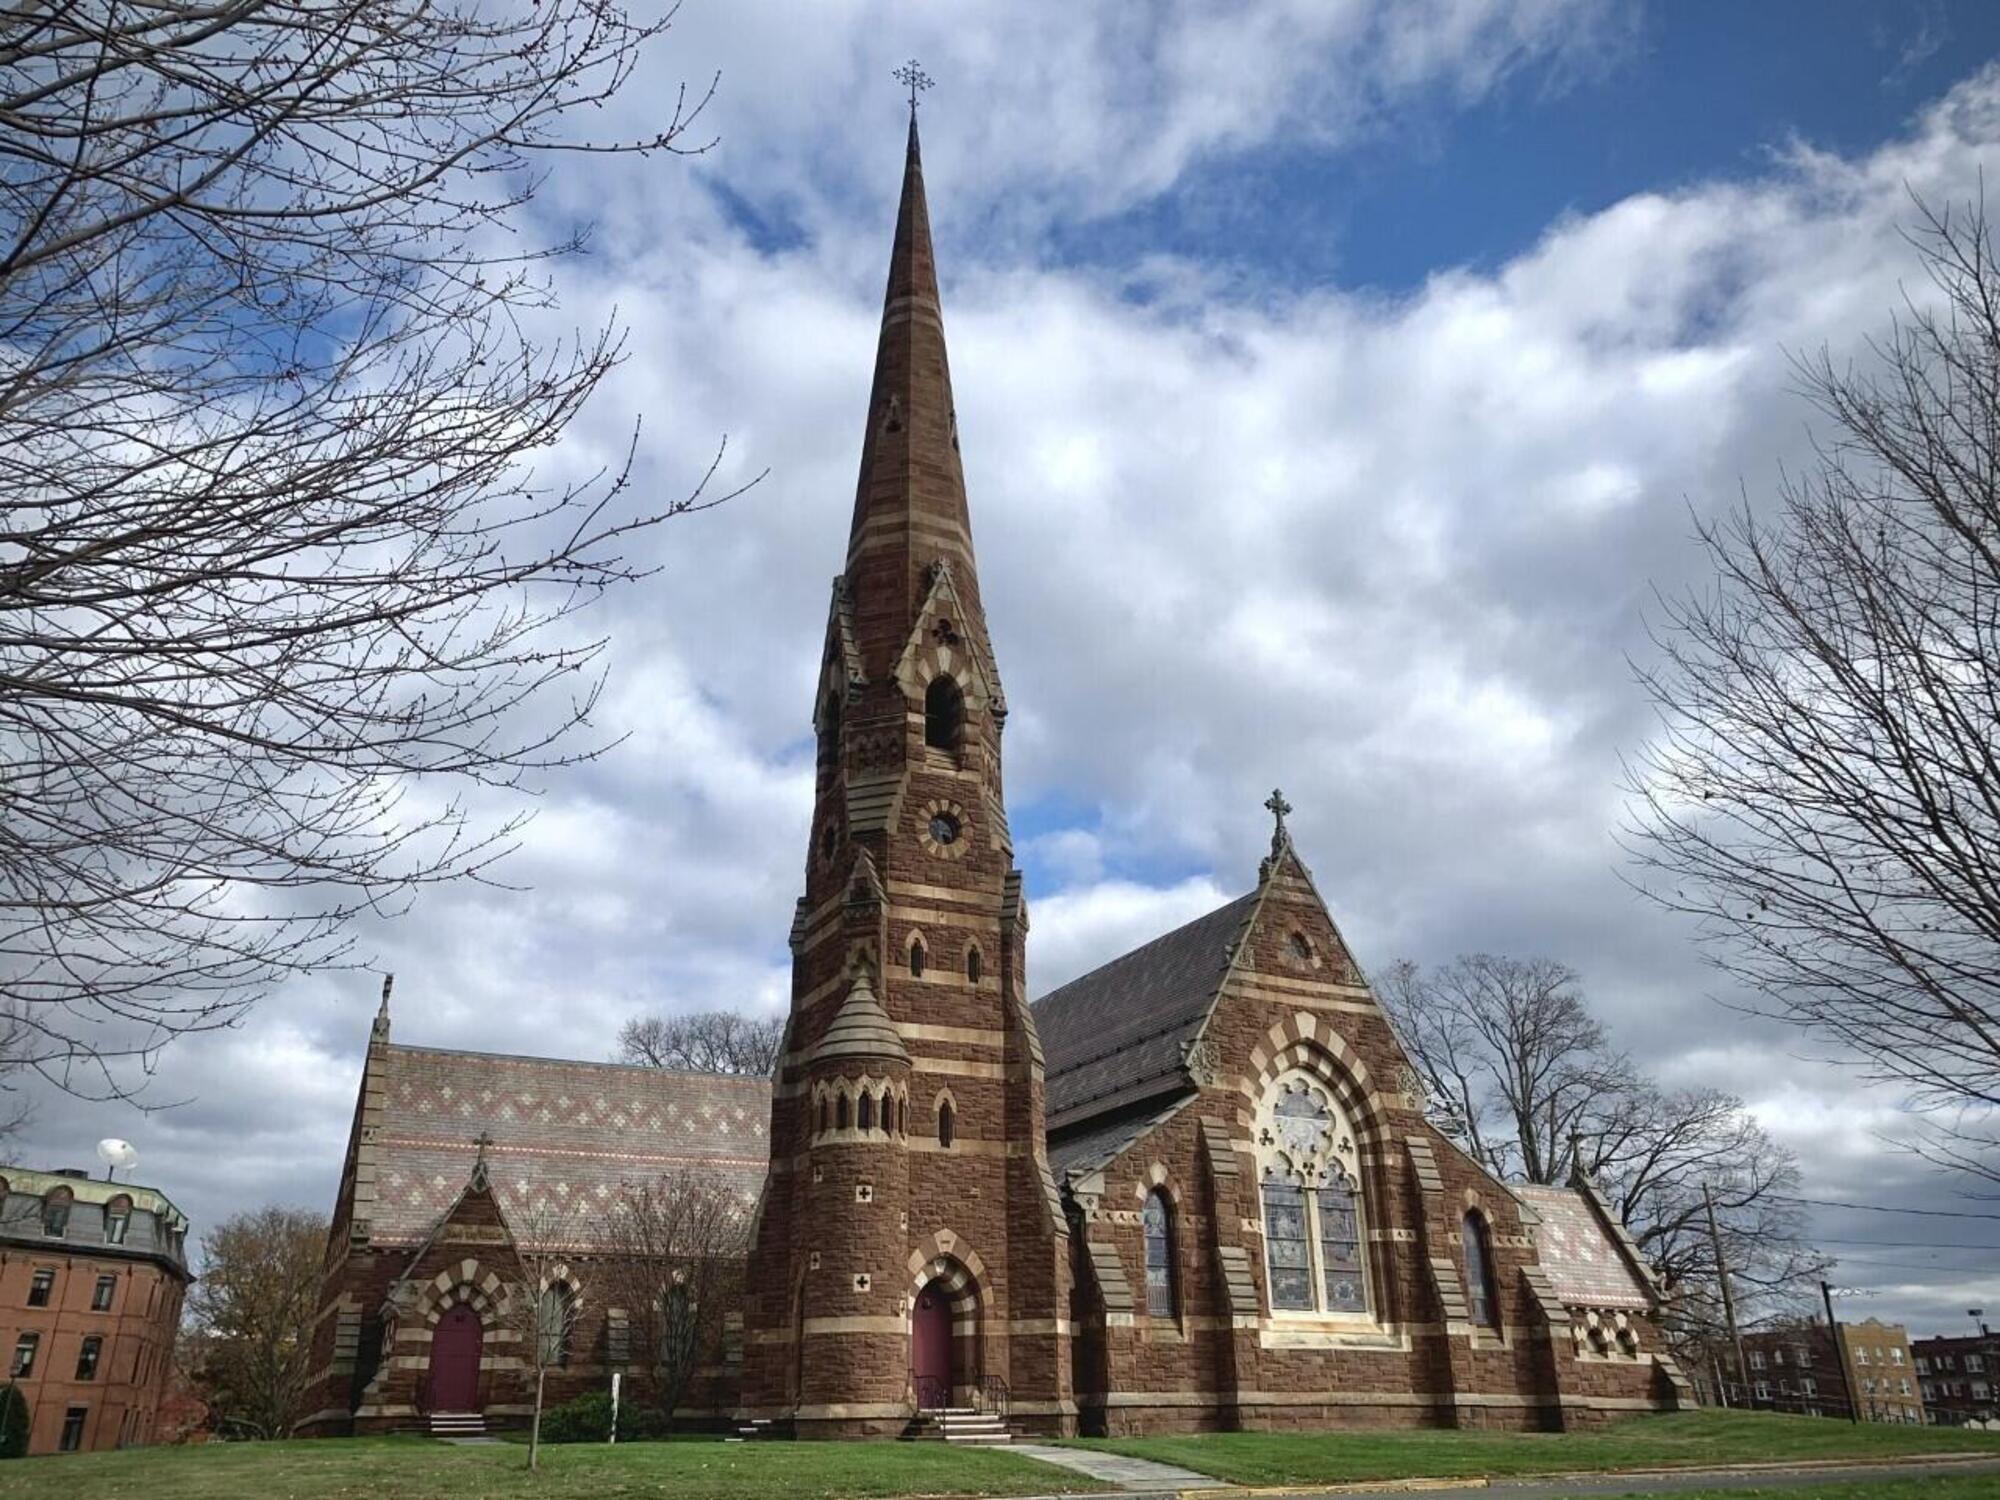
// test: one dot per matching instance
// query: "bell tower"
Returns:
(910, 1250)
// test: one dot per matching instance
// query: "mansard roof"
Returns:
(564, 1136)
(1116, 1034)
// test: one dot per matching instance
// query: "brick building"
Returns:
(1795, 1368)
(1194, 1189)
(1882, 1371)
(1959, 1377)
(92, 1275)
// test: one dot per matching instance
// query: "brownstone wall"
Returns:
(1229, 1362)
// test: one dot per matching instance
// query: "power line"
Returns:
(1907, 1244)
(1883, 1208)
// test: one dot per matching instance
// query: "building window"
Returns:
(72, 1429)
(972, 965)
(944, 713)
(1479, 1293)
(86, 1357)
(1895, 1356)
(1157, 1221)
(946, 1126)
(916, 960)
(553, 1318)
(39, 1289)
(1763, 1390)
(865, 1112)
(1310, 1176)
(1756, 1359)
(117, 1219)
(1861, 1356)
(24, 1355)
(1804, 1357)
(100, 1297)
(55, 1213)
(1974, 1363)
(1809, 1387)
(840, 1113)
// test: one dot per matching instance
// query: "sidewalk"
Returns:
(1138, 1476)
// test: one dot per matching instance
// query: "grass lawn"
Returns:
(1696, 1437)
(418, 1469)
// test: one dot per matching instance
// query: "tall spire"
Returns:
(909, 504)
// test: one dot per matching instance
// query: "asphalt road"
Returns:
(1710, 1479)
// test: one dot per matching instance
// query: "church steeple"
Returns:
(909, 503)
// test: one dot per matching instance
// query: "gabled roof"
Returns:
(564, 1135)
(1584, 1262)
(1116, 1034)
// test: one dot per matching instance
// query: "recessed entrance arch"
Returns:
(933, 1351)
(455, 1346)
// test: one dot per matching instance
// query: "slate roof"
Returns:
(1115, 1035)
(1103, 1140)
(565, 1135)
(1583, 1263)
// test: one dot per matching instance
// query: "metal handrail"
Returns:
(932, 1394)
(993, 1395)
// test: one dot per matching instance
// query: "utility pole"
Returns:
(1728, 1297)
(1840, 1355)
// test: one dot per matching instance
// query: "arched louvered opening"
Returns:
(944, 714)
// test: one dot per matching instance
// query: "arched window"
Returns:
(944, 713)
(55, 1212)
(840, 1112)
(888, 1114)
(972, 962)
(117, 1219)
(865, 1112)
(946, 1125)
(917, 960)
(1309, 1172)
(821, 1126)
(555, 1315)
(1162, 1289)
(1479, 1295)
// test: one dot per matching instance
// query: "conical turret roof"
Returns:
(861, 1029)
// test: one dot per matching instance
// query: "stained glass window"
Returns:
(1159, 1256)
(1479, 1273)
(1287, 1246)
(1340, 1248)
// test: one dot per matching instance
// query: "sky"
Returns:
(1370, 363)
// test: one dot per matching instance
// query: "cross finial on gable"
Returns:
(482, 1141)
(1278, 807)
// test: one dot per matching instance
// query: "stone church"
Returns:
(1194, 1189)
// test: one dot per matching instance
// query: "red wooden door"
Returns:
(930, 1347)
(455, 1361)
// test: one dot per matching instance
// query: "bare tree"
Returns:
(1823, 794)
(252, 1312)
(1508, 1049)
(545, 1301)
(711, 1041)
(675, 1257)
(273, 547)
(1650, 1150)
(1525, 1078)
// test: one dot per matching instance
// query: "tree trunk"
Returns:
(535, 1429)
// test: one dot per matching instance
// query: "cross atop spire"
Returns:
(380, 1027)
(916, 79)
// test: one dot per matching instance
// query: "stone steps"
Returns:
(972, 1429)
(457, 1424)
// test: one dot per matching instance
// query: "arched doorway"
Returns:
(933, 1350)
(455, 1349)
